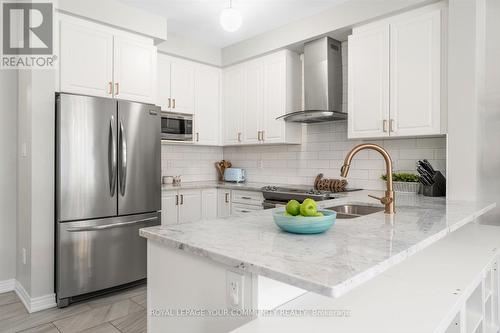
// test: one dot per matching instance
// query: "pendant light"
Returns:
(230, 19)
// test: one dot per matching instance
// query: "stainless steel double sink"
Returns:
(354, 211)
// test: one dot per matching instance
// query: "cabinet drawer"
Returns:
(247, 197)
(242, 209)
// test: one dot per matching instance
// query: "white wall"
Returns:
(8, 173)
(36, 182)
(489, 107)
(342, 16)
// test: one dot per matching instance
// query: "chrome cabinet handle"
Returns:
(177, 200)
(239, 136)
(262, 135)
(173, 103)
(117, 88)
(169, 102)
(182, 199)
(391, 125)
(384, 125)
(109, 226)
(258, 135)
(244, 211)
(247, 198)
(110, 88)
(123, 160)
(112, 156)
(227, 197)
(197, 137)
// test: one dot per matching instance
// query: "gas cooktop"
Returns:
(278, 193)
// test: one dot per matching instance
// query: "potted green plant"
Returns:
(404, 182)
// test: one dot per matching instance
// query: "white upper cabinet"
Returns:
(416, 75)
(395, 76)
(175, 89)
(207, 105)
(86, 64)
(368, 83)
(255, 93)
(233, 104)
(253, 102)
(101, 61)
(134, 69)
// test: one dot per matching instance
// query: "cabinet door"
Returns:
(368, 83)
(182, 86)
(189, 206)
(233, 90)
(274, 98)
(223, 203)
(86, 64)
(416, 75)
(169, 208)
(207, 105)
(134, 69)
(163, 98)
(209, 204)
(253, 108)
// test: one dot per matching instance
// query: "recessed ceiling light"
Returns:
(230, 18)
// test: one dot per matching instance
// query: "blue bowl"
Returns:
(305, 224)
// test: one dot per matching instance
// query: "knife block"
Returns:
(438, 189)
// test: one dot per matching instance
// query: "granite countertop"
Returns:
(246, 186)
(351, 252)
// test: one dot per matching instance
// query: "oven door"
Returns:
(176, 126)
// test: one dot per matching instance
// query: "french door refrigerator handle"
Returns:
(109, 226)
(112, 157)
(123, 160)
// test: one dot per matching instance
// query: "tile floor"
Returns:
(123, 311)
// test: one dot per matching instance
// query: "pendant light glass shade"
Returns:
(230, 19)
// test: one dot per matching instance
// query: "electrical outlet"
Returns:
(23, 256)
(234, 290)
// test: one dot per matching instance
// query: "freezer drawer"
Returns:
(98, 254)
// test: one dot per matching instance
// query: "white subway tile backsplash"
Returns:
(299, 164)
(193, 163)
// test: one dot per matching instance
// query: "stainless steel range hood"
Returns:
(322, 83)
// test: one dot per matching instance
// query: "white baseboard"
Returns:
(7, 285)
(34, 304)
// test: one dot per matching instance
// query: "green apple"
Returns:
(308, 207)
(287, 214)
(293, 207)
(319, 214)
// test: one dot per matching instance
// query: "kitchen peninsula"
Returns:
(248, 263)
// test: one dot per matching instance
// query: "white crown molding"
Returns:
(34, 304)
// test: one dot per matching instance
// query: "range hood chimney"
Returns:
(322, 83)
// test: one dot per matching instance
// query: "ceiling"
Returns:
(198, 20)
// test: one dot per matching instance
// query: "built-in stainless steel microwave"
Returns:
(176, 126)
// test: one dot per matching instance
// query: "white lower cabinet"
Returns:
(223, 203)
(185, 206)
(189, 206)
(169, 209)
(244, 202)
(209, 203)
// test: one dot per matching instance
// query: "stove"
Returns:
(275, 196)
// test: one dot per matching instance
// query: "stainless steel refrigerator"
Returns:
(107, 188)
